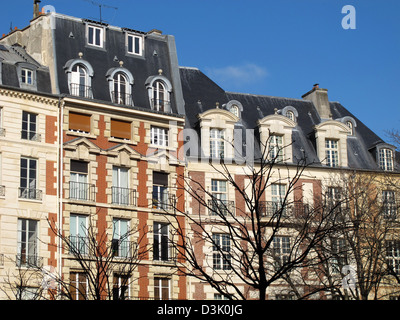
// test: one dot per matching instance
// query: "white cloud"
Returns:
(237, 76)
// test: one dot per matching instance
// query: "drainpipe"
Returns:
(60, 165)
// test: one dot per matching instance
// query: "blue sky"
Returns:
(278, 48)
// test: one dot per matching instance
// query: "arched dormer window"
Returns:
(159, 90)
(234, 107)
(385, 156)
(290, 112)
(350, 122)
(80, 74)
(120, 84)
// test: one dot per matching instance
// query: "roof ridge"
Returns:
(267, 96)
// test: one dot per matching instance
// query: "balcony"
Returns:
(389, 210)
(121, 98)
(30, 135)
(78, 245)
(161, 105)
(162, 200)
(28, 260)
(123, 248)
(218, 207)
(29, 193)
(273, 208)
(166, 255)
(82, 191)
(81, 90)
(123, 196)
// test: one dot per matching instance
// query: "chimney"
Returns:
(320, 99)
(36, 9)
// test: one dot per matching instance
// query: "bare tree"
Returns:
(242, 251)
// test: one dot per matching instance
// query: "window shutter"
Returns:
(79, 121)
(120, 129)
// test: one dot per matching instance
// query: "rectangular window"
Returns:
(386, 159)
(221, 251)
(135, 44)
(120, 129)
(217, 143)
(29, 126)
(281, 248)
(161, 288)
(275, 148)
(27, 243)
(120, 183)
(120, 241)
(120, 287)
(219, 193)
(28, 179)
(333, 198)
(161, 242)
(160, 190)
(79, 188)
(393, 255)
(389, 204)
(78, 285)
(332, 153)
(79, 122)
(27, 76)
(95, 36)
(78, 234)
(159, 136)
(338, 259)
(278, 193)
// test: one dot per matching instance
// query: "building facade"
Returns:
(101, 133)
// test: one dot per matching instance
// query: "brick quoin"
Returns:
(51, 129)
(52, 246)
(51, 179)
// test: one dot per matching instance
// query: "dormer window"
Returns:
(234, 107)
(290, 115)
(27, 76)
(217, 143)
(386, 159)
(332, 153)
(159, 89)
(134, 44)
(275, 148)
(80, 74)
(95, 36)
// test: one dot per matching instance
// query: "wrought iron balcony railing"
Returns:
(29, 260)
(29, 193)
(82, 191)
(273, 208)
(123, 248)
(121, 98)
(123, 196)
(80, 90)
(221, 207)
(162, 200)
(161, 105)
(78, 245)
(31, 135)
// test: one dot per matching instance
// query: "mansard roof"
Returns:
(201, 94)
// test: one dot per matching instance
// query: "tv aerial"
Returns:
(101, 6)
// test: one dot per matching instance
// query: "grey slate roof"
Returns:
(201, 94)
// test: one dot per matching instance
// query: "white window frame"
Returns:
(389, 204)
(159, 136)
(28, 244)
(158, 283)
(393, 255)
(78, 230)
(332, 152)
(30, 179)
(221, 242)
(386, 159)
(161, 233)
(121, 235)
(139, 46)
(276, 147)
(27, 76)
(217, 143)
(101, 36)
(281, 247)
(31, 120)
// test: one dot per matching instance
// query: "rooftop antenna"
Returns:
(101, 5)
